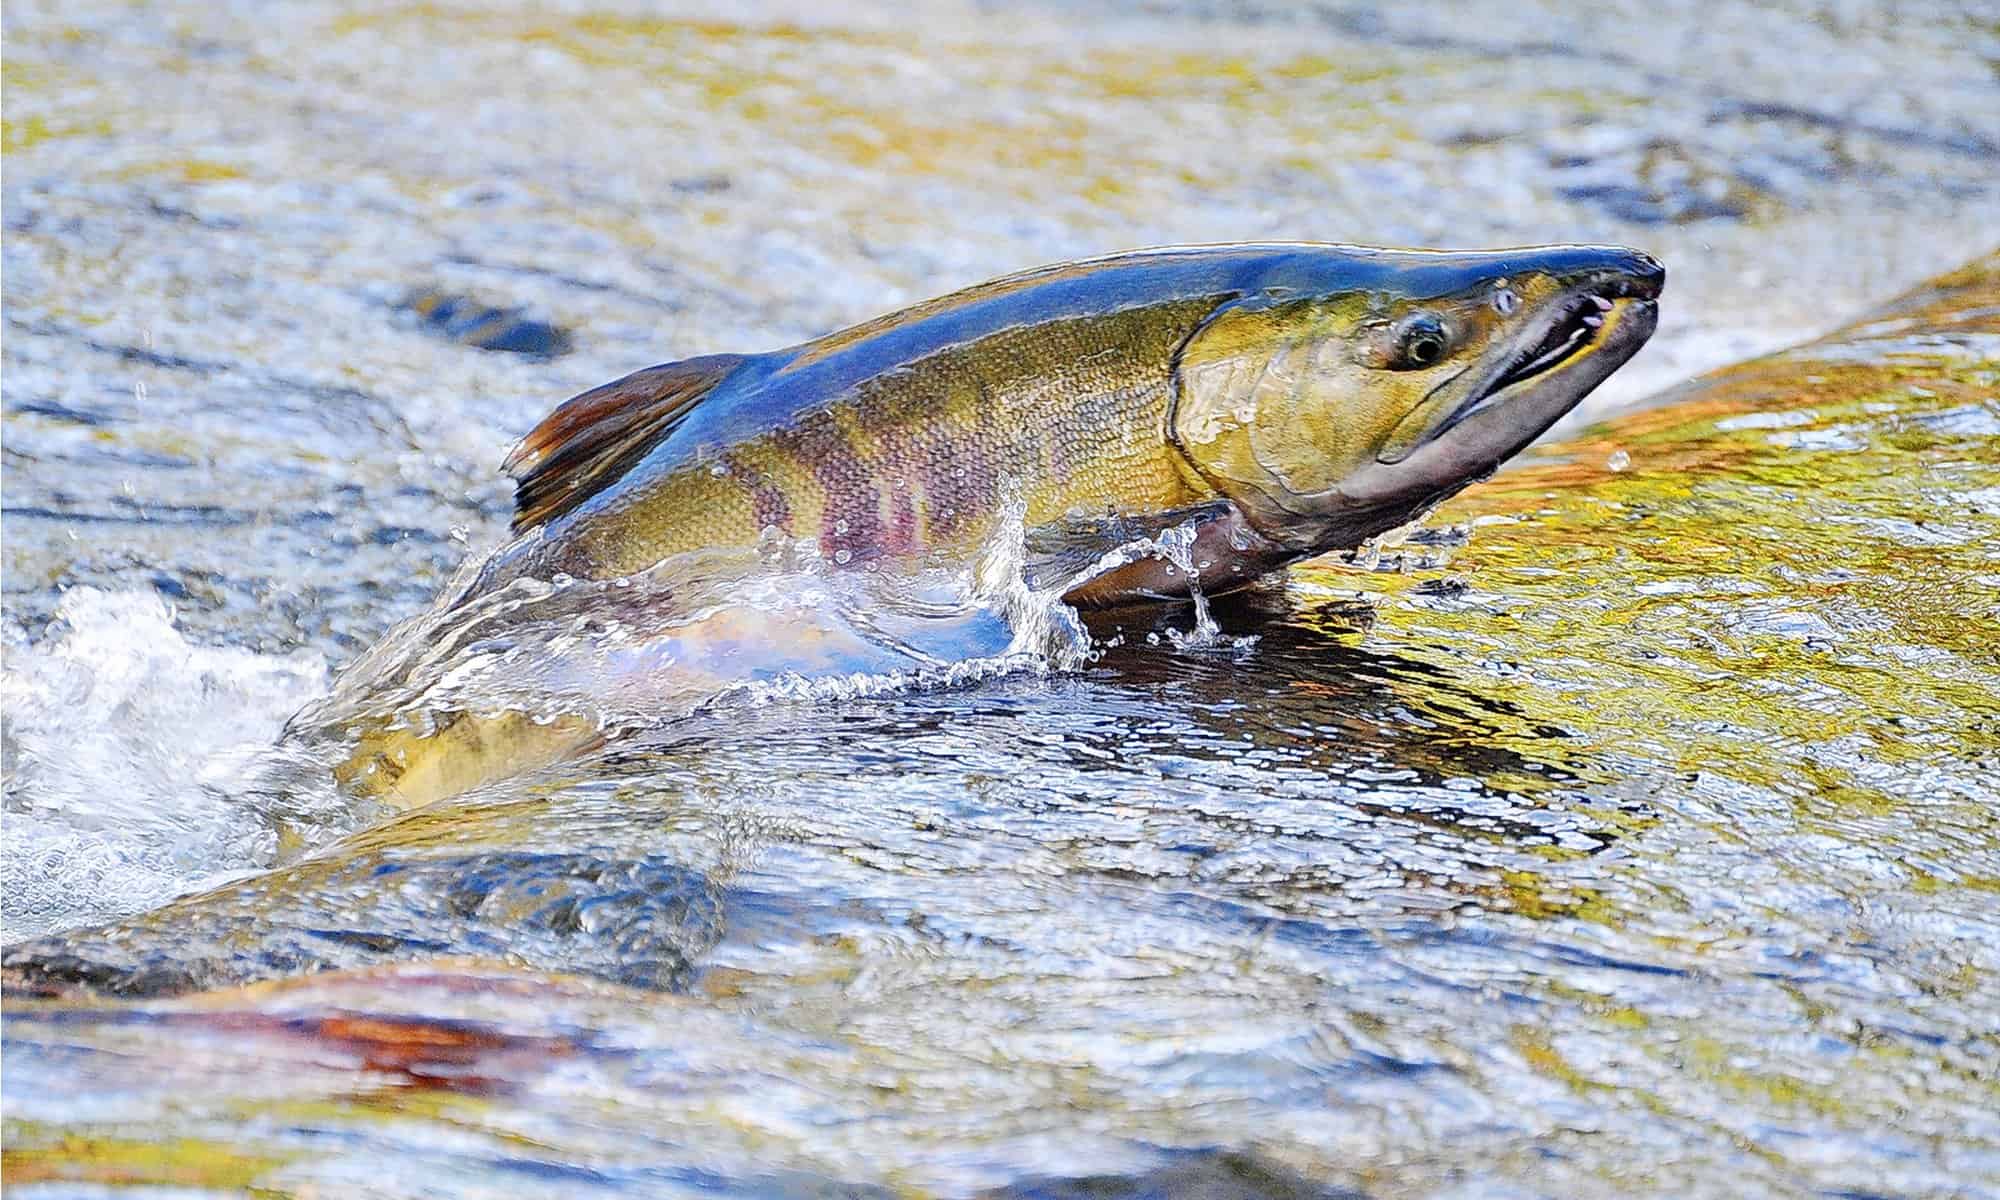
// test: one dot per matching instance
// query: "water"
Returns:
(1629, 828)
(122, 745)
(1650, 823)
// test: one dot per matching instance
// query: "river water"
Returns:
(1629, 829)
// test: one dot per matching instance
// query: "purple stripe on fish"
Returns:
(852, 517)
(768, 505)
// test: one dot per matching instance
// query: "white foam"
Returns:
(123, 755)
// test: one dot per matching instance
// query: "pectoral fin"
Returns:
(1112, 561)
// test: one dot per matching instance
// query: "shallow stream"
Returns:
(1631, 828)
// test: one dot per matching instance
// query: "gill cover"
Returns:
(1253, 390)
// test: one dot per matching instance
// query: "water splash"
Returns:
(124, 749)
(1176, 545)
(697, 629)
(484, 687)
(201, 790)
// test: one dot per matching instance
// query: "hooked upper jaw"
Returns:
(1590, 319)
(1598, 316)
(1599, 319)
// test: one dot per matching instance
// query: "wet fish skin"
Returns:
(1258, 384)
(1263, 402)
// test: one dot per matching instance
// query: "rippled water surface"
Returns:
(1629, 829)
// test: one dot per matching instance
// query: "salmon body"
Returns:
(1095, 395)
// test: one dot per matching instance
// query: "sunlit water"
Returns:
(1631, 829)
(1646, 834)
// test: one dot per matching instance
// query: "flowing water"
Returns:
(1629, 828)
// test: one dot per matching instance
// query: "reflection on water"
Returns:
(1639, 836)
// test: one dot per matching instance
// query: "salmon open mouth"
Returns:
(1577, 327)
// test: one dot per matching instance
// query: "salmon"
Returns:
(1270, 402)
(1297, 398)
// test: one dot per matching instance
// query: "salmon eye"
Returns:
(1421, 341)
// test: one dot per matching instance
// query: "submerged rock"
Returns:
(638, 923)
(473, 322)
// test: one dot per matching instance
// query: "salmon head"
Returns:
(1349, 396)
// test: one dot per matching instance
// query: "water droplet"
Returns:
(1618, 461)
(719, 470)
(843, 557)
(460, 535)
(840, 527)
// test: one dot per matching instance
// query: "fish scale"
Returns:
(1064, 419)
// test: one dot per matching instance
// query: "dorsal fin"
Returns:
(593, 438)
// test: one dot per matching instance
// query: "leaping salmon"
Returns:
(1302, 396)
(1278, 400)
